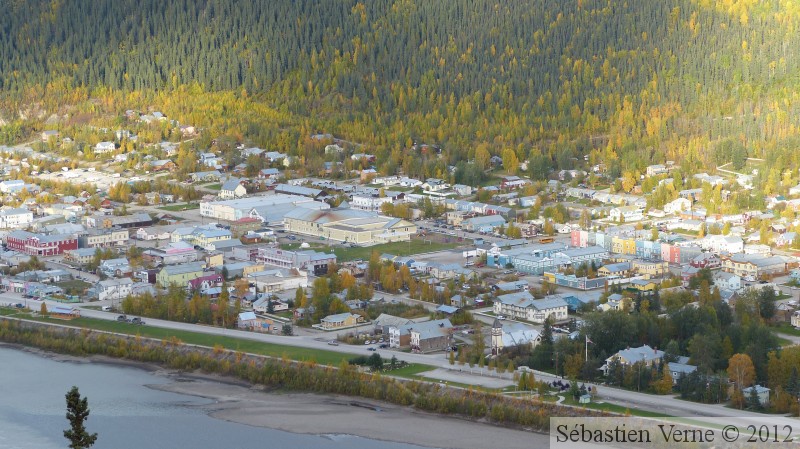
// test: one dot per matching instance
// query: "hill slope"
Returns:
(676, 76)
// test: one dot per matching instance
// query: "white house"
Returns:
(15, 218)
(727, 281)
(657, 169)
(232, 189)
(796, 319)
(104, 147)
(626, 214)
(677, 206)
(113, 289)
(722, 244)
(435, 185)
(761, 392)
(369, 202)
(522, 305)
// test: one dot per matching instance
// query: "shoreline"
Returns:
(318, 414)
(309, 413)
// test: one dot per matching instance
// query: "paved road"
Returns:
(661, 404)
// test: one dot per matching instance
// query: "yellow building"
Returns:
(179, 274)
(644, 286)
(629, 246)
(649, 269)
(615, 269)
(252, 269)
(340, 320)
(349, 225)
(214, 259)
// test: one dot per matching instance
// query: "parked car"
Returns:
(333, 343)
(384, 346)
(122, 319)
(137, 320)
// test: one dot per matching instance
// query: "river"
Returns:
(126, 413)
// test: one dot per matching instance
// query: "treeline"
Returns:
(294, 376)
(177, 305)
(625, 83)
(711, 333)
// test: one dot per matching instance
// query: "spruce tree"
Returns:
(77, 413)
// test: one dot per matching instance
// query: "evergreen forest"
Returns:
(623, 83)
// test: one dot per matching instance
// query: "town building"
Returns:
(751, 267)
(113, 289)
(80, 256)
(626, 214)
(40, 244)
(429, 335)
(761, 392)
(349, 226)
(179, 274)
(486, 223)
(509, 334)
(171, 254)
(232, 189)
(117, 267)
(309, 260)
(627, 357)
(269, 208)
(252, 322)
(384, 321)
(340, 320)
(104, 147)
(137, 220)
(244, 226)
(16, 218)
(103, 238)
(278, 280)
(523, 306)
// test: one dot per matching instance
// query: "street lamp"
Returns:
(639, 379)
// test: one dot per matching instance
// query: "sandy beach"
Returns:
(325, 414)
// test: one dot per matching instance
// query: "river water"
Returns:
(126, 413)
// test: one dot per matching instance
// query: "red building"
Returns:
(204, 282)
(706, 260)
(40, 244)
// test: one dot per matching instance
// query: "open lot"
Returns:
(346, 253)
(180, 207)
(232, 343)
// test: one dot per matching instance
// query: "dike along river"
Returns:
(126, 413)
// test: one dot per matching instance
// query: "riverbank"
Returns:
(417, 398)
(317, 414)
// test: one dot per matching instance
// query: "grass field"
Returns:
(214, 186)
(788, 329)
(74, 287)
(180, 207)
(411, 371)
(604, 406)
(344, 254)
(237, 344)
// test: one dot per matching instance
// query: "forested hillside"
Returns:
(629, 83)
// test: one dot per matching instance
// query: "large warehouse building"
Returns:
(232, 210)
(349, 225)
